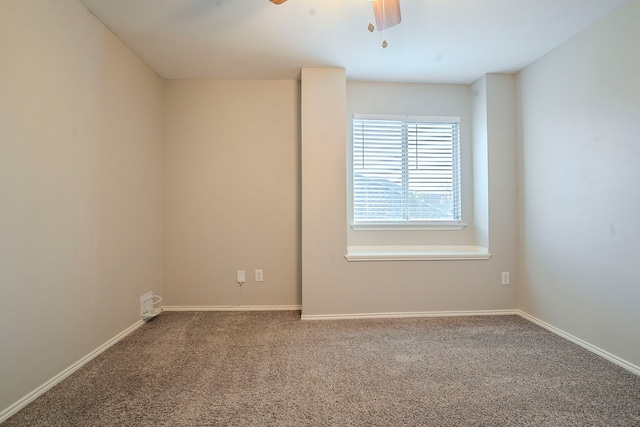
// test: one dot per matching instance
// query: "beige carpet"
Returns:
(271, 369)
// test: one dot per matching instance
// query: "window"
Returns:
(406, 170)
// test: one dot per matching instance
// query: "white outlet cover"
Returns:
(505, 278)
(240, 277)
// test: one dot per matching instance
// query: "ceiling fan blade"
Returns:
(277, 1)
(387, 13)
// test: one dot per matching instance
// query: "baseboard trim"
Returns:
(232, 308)
(33, 395)
(592, 348)
(399, 315)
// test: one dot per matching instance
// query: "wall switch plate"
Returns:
(259, 276)
(240, 276)
(505, 277)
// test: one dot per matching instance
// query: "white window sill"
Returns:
(416, 253)
(443, 226)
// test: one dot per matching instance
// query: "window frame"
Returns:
(456, 162)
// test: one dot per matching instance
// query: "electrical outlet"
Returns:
(259, 276)
(240, 277)
(505, 277)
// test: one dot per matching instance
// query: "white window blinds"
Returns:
(406, 170)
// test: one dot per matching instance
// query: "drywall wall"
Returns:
(501, 163)
(231, 192)
(333, 286)
(480, 155)
(80, 159)
(579, 177)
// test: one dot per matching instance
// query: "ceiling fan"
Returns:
(387, 13)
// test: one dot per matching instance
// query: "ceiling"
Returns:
(438, 41)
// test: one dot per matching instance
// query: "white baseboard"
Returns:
(592, 348)
(232, 308)
(33, 395)
(407, 314)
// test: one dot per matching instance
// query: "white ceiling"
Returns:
(439, 41)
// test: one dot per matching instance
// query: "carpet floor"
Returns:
(271, 369)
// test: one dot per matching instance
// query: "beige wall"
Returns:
(480, 157)
(80, 158)
(333, 286)
(579, 175)
(231, 192)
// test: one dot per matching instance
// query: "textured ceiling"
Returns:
(439, 41)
